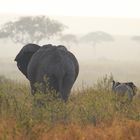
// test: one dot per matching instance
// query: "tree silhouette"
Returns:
(31, 29)
(96, 37)
(69, 39)
(136, 38)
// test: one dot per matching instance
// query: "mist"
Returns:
(119, 57)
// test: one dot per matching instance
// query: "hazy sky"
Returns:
(103, 8)
(126, 12)
(117, 17)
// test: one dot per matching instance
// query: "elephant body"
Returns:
(52, 64)
(123, 89)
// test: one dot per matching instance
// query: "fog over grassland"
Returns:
(120, 57)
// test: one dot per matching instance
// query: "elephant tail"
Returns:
(63, 89)
(60, 88)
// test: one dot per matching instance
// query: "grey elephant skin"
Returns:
(54, 63)
(122, 89)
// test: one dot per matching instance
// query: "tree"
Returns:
(31, 29)
(136, 38)
(69, 39)
(97, 37)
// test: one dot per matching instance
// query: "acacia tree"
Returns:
(69, 39)
(136, 38)
(31, 29)
(95, 38)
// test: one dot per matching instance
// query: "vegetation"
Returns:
(97, 37)
(69, 39)
(90, 113)
(31, 29)
(136, 38)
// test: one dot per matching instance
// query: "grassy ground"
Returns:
(90, 113)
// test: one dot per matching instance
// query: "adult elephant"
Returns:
(54, 63)
(129, 89)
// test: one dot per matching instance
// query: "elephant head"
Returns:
(24, 57)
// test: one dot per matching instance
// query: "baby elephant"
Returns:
(122, 89)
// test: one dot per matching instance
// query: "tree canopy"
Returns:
(97, 37)
(31, 29)
(69, 39)
(136, 38)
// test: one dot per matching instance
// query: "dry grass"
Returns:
(90, 114)
(116, 130)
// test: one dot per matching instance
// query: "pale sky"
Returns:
(102, 8)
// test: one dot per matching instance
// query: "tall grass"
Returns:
(24, 116)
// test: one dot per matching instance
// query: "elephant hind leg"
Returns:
(67, 84)
(53, 83)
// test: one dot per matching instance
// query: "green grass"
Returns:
(92, 105)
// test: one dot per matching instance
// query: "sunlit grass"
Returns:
(88, 113)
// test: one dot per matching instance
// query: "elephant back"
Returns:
(122, 89)
(51, 56)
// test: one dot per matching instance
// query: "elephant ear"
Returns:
(24, 56)
(132, 85)
(115, 84)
